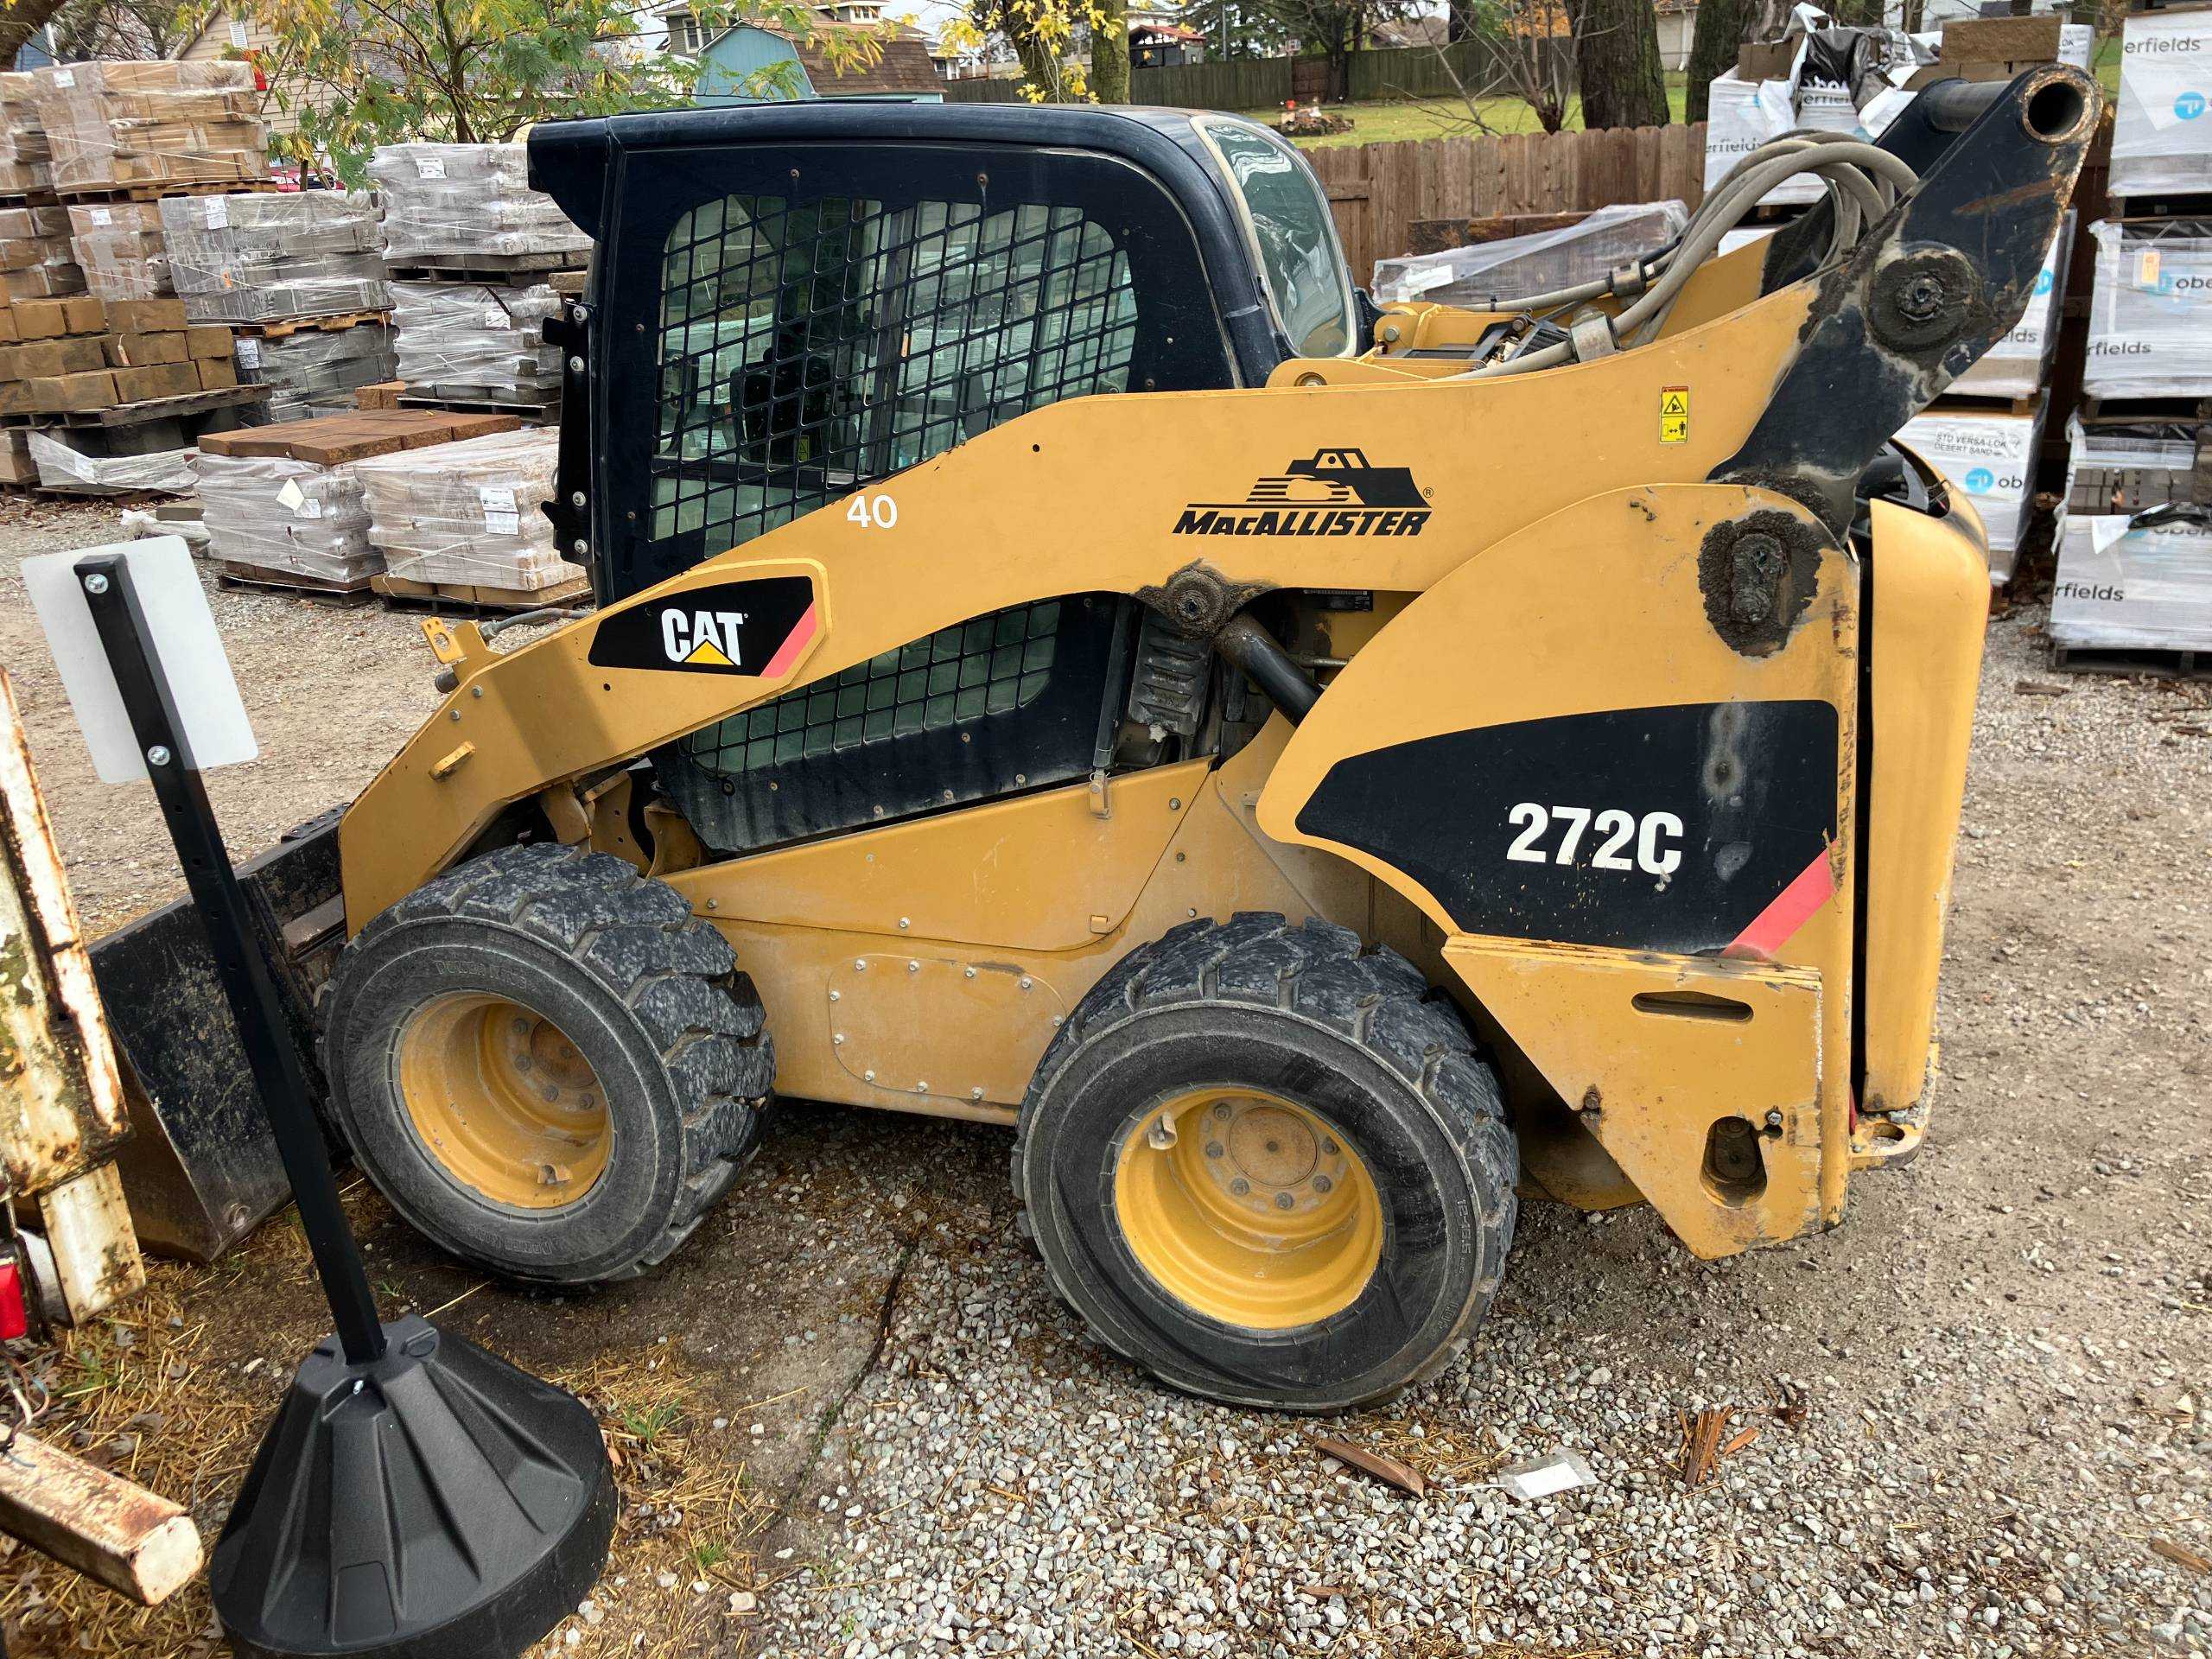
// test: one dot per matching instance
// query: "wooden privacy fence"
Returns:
(1377, 190)
(1268, 83)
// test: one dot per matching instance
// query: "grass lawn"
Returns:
(1385, 122)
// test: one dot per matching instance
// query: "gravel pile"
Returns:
(1977, 1412)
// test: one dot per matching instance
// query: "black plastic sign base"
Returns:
(434, 1503)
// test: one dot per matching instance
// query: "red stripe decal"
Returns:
(794, 642)
(1792, 908)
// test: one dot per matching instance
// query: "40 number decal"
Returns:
(873, 511)
(1657, 837)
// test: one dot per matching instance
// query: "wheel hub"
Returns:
(1268, 1158)
(503, 1101)
(1248, 1208)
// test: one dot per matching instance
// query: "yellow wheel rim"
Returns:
(1248, 1209)
(503, 1101)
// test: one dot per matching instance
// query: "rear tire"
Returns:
(547, 1064)
(1278, 1054)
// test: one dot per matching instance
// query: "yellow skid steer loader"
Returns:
(1319, 775)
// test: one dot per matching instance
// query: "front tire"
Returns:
(547, 1064)
(1265, 1164)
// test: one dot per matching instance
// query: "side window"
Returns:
(808, 349)
(992, 665)
(1287, 219)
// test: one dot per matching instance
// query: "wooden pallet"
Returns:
(2166, 665)
(284, 328)
(333, 439)
(1955, 401)
(527, 414)
(493, 268)
(153, 409)
(254, 578)
(2095, 406)
(2163, 204)
(158, 189)
(400, 593)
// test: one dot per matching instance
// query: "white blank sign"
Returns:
(185, 644)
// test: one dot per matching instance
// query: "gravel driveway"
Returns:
(1973, 1420)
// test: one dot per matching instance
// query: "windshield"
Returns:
(1287, 219)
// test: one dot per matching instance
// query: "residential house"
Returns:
(1154, 46)
(747, 62)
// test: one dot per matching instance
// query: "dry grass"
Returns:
(165, 1393)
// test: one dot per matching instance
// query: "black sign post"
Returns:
(415, 1497)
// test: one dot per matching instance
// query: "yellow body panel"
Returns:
(1599, 608)
(1489, 453)
(1930, 610)
(937, 1023)
(925, 966)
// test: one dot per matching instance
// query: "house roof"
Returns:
(1167, 32)
(904, 65)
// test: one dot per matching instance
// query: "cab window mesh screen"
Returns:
(810, 348)
(989, 666)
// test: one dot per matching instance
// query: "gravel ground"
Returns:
(1977, 1406)
(1974, 1411)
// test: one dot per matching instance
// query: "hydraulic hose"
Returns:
(1863, 182)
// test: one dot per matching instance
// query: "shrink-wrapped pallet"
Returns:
(67, 471)
(313, 371)
(455, 204)
(287, 517)
(121, 247)
(2134, 547)
(469, 513)
(1513, 267)
(25, 161)
(37, 260)
(110, 125)
(1989, 456)
(2150, 310)
(2162, 128)
(478, 341)
(261, 257)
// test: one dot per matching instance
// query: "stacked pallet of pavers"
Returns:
(470, 530)
(119, 137)
(299, 278)
(2134, 581)
(37, 259)
(26, 160)
(101, 387)
(472, 252)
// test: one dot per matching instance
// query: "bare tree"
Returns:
(1336, 28)
(19, 21)
(1522, 51)
(123, 29)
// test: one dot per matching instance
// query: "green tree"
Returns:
(358, 73)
